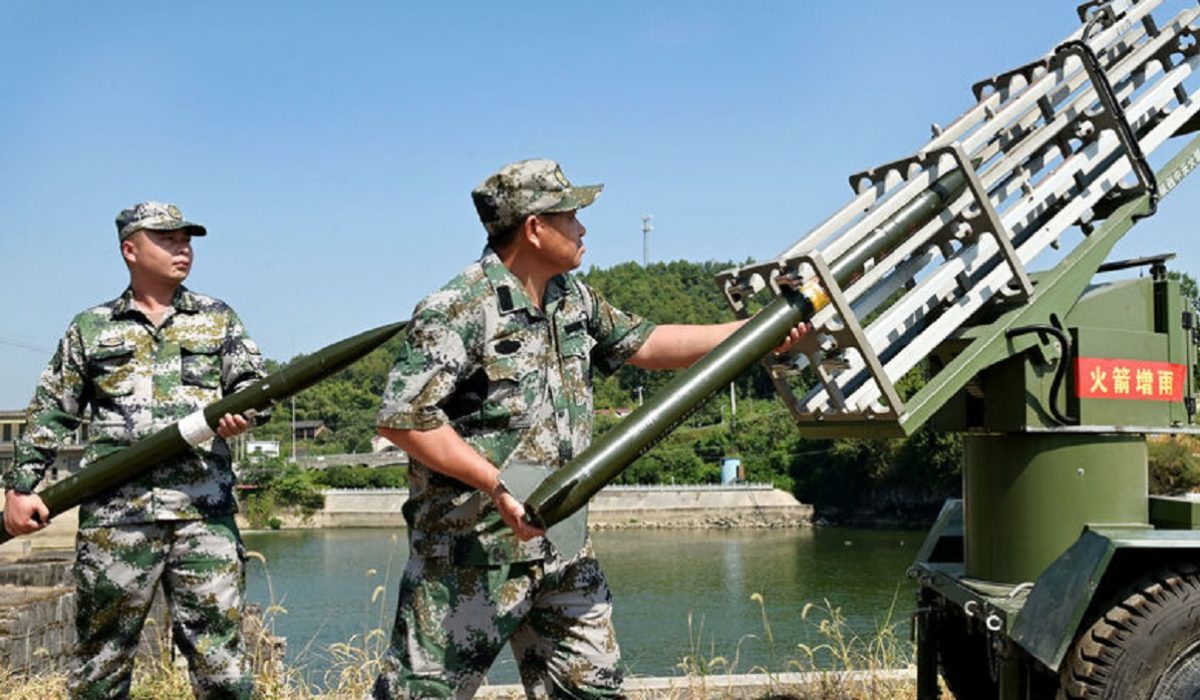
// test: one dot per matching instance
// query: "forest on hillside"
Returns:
(901, 479)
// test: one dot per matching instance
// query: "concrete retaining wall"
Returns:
(37, 598)
(37, 613)
(617, 506)
(697, 506)
(37, 617)
(369, 459)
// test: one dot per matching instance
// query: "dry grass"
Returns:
(842, 666)
(19, 687)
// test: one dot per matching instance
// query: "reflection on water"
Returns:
(326, 580)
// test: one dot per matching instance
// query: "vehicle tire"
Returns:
(963, 660)
(1145, 647)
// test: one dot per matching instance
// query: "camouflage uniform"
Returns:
(515, 383)
(175, 523)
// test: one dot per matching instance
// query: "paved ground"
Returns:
(753, 685)
(59, 535)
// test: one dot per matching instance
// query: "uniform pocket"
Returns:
(508, 394)
(110, 364)
(200, 364)
(578, 345)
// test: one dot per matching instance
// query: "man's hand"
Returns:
(512, 512)
(443, 450)
(230, 425)
(19, 509)
(793, 337)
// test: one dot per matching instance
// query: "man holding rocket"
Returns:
(136, 364)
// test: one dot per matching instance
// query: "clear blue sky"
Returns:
(330, 147)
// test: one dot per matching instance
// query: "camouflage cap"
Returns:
(155, 216)
(527, 187)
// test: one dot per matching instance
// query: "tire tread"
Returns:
(1094, 655)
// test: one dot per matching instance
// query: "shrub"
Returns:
(280, 484)
(1173, 468)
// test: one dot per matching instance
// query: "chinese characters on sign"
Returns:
(1137, 380)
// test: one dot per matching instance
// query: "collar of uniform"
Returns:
(556, 291)
(184, 300)
(509, 290)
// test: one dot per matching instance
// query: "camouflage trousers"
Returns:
(200, 564)
(453, 620)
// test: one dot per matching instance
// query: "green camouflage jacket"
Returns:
(135, 379)
(516, 383)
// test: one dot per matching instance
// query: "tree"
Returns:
(674, 292)
(1187, 287)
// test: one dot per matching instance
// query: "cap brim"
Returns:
(193, 229)
(576, 198)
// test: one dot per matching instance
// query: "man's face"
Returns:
(562, 241)
(164, 256)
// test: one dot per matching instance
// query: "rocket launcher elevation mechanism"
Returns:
(928, 241)
(141, 456)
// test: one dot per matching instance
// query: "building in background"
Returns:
(258, 449)
(12, 428)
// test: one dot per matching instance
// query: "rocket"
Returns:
(200, 426)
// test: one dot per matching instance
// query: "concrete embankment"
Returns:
(746, 505)
(37, 615)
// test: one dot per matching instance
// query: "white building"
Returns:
(257, 449)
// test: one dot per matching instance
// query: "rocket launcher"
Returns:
(127, 464)
(1053, 155)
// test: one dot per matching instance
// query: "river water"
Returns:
(677, 592)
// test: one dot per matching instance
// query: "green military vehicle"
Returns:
(1056, 574)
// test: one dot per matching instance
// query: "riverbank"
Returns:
(615, 507)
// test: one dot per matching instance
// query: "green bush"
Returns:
(279, 484)
(259, 508)
(1172, 467)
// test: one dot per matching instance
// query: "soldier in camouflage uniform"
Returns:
(138, 364)
(496, 370)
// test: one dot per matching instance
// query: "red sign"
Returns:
(1135, 380)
